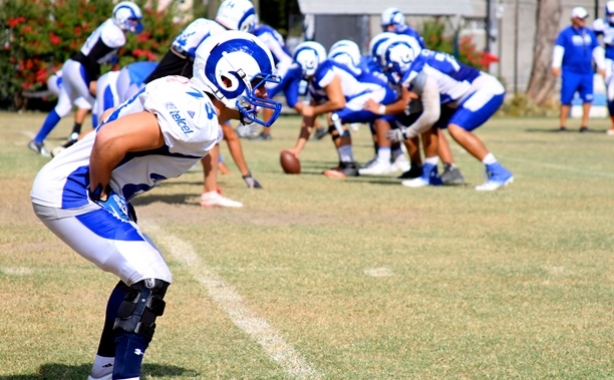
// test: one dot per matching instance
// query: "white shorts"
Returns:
(131, 255)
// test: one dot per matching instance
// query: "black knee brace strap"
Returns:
(334, 133)
(142, 304)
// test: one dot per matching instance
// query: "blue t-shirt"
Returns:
(578, 44)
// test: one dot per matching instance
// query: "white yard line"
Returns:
(232, 303)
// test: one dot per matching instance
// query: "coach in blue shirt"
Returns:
(576, 48)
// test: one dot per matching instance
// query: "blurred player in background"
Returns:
(81, 72)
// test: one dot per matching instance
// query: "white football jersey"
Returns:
(190, 128)
(191, 37)
(111, 35)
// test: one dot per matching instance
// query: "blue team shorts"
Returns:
(472, 112)
(572, 83)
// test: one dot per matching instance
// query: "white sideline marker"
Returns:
(231, 302)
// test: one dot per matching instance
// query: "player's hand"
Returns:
(372, 106)
(251, 182)
(307, 111)
(601, 72)
(294, 151)
(396, 135)
(113, 203)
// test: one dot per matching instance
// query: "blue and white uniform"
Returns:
(179, 59)
(574, 52)
(79, 71)
(132, 77)
(276, 44)
(474, 95)
(106, 95)
(605, 28)
(357, 89)
(63, 107)
(190, 128)
(411, 32)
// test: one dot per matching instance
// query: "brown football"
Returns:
(289, 163)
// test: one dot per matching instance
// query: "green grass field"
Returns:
(339, 279)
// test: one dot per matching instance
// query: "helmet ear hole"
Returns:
(226, 81)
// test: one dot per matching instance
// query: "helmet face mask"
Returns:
(237, 15)
(309, 55)
(398, 59)
(234, 67)
(128, 16)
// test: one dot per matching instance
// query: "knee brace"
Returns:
(142, 304)
(334, 133)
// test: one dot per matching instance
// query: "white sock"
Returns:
(432, 160)
(383, 153)
(396, 153)
(102, 366)
(489, 159)
(345, 153)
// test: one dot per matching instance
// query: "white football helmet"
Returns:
(376, 46)
(392, 16)
(345, 52)
(308, 55)
(236, 15)
(232, 66)
(127, 15)
(398, 57)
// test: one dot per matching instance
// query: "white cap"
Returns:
(579, 12)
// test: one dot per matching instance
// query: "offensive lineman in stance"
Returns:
(83, 194)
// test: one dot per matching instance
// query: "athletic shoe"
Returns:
(583, 129)
(216, 199)
(39, 148)
(107, 377)
(400, 164)
(72, 139)
(345, 169)
(262, 137)
(368, 163)
(376, 167)
(452, 176)
(610, 132)
(429, 177)
(414, 171)
(497, 176)
(247, 131)
(562, 129)
(320, 133)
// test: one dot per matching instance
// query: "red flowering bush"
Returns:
(38, 36)
(465, 51)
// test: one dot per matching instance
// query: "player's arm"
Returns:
(336, 100)
(131, 133)
(395, 108)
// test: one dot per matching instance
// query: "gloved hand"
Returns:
(114, 204)
(397, 135)
(251, 182)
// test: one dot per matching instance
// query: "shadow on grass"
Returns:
(54, 371)
(148, 199)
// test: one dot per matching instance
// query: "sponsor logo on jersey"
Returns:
(191, 113)
(181, 122)
(171, 106)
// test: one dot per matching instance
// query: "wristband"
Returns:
(381, 110)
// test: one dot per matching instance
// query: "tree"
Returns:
(541, 85)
